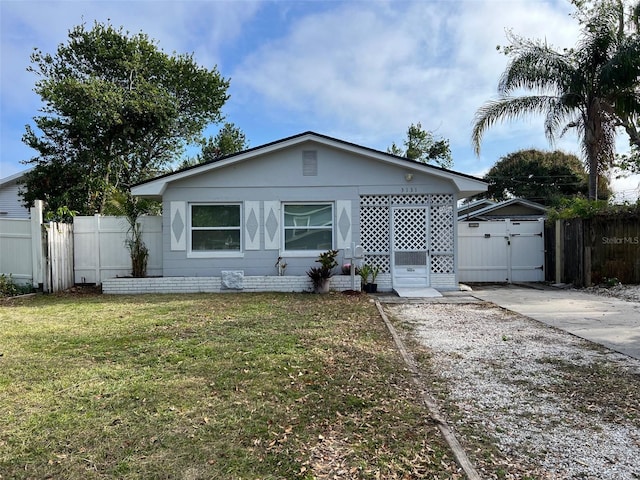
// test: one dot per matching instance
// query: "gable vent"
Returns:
(309, 163)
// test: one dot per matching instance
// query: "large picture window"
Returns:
(215, 228)
(308, 226)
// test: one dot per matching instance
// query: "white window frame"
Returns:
(285, 228)
(214, 253)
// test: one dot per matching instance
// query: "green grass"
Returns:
(271, 386)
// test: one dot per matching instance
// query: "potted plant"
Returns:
(373, 286)
(364, 272)
(320, 275)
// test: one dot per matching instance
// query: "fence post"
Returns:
(587, 266)
(559, 251)
(37, 269)
(96, 239)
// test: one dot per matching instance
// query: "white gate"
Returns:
(501, 251)
(101, 251)
(410, 240)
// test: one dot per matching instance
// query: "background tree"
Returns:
(422, 146)
(543, 177)
(117, 110)
(592, 88)
(229, 140)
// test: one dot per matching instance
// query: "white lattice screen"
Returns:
(374, 230)
(410, 225)
(442, 225)
(375, 220)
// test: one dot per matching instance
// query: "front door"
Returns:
(410, 247)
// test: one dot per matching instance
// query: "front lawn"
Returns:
(222, 386)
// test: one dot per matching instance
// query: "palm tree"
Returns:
(592, 88)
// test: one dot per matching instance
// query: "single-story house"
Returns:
(287, 201)
(11, 205)
(466, 208)
(515, 209)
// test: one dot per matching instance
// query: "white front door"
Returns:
(410, 247)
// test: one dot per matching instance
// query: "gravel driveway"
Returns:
(527, 400)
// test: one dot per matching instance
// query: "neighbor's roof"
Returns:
(156, 186)
(530, 210)
(14, 177)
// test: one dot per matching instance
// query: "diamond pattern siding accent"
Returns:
(252, 225)
(177, 212)
(272, 225)
(177, 226)
(343, 215)
(344, 224)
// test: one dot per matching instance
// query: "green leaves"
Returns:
(116, 111)
(543, 177)
(593, 88)
(422, 146)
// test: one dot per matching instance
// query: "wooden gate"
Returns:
(57, 245)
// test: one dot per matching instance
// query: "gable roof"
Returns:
(13, 178)
(155, 187)
(515, 209)
(469, 208)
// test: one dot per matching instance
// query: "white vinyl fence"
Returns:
(501, 251)
(16, 258)
(101, 251)
(35, 252)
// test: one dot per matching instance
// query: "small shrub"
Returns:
(584, 208)
(9, 288)
(611, 281)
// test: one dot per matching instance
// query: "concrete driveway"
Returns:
(610, 322)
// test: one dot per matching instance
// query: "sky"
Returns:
(360, 70)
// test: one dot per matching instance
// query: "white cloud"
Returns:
(208, 29)
(376, 67)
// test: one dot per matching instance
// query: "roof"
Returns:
(469, 208)
(14, 177)
(515, 209)
(156, 186)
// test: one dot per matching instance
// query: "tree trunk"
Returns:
(593, 138)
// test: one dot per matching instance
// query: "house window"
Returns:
(308, 226)
(215, 228)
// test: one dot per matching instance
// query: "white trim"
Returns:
(301, 253)
(215, 254)
(310, 227)
(191, 253)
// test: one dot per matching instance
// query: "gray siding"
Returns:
(11, 202)
(280, 176)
